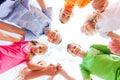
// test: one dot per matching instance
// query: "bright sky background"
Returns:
(57, 53)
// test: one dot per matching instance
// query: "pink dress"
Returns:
(13, 55)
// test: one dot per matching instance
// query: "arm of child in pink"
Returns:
(11, 28)
(49, 70)
(42, 4)
(6, 37)
(34, 66)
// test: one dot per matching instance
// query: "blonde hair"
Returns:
(44, 47)
(97, 4)
(36, 43)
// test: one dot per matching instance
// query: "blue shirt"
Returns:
(32, 20)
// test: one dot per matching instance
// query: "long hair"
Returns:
(1, 1)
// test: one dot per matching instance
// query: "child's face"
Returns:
(74, 49)
(53, 36)
(39, 49)
(65, 14)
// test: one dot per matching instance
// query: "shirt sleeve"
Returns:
(29, 35)
(85, 72)
(102, 48)
(48, 12)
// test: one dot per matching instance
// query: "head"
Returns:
(88, 28)
(53, 36)
(65, 14)
(38, 48)
(100, 5)
(74, 49)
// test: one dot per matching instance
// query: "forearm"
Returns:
(35, 74)
(42, 4)
(6, 37)
(112, 35)
(66, 75)
(11, 28)
(33, 66)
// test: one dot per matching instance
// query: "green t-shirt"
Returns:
(99, 62)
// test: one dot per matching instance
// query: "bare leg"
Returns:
(42, 4)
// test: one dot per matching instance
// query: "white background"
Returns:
(57, 53)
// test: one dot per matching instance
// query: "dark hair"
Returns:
(68, 46)
(1, 1)
(34, 42)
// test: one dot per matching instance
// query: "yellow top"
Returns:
(79, 3)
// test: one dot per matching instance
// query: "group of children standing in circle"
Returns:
(32, 22)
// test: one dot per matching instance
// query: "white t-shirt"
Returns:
(109, 20)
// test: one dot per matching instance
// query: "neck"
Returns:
(82, 54)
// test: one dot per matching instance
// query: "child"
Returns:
(19, 52)
(32, 20)
(25, 72)
(104, 23)
(96, 61)
(23, 51)
(67, 12)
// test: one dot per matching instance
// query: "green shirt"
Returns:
(98, 61)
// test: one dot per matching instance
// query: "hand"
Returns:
(88, 28)
(114, 46)
(51, 70)
(59, 67)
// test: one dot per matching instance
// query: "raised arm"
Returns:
(42, 4)
(113, 35)
(114, 46)
(6, 37)
(11, 28)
